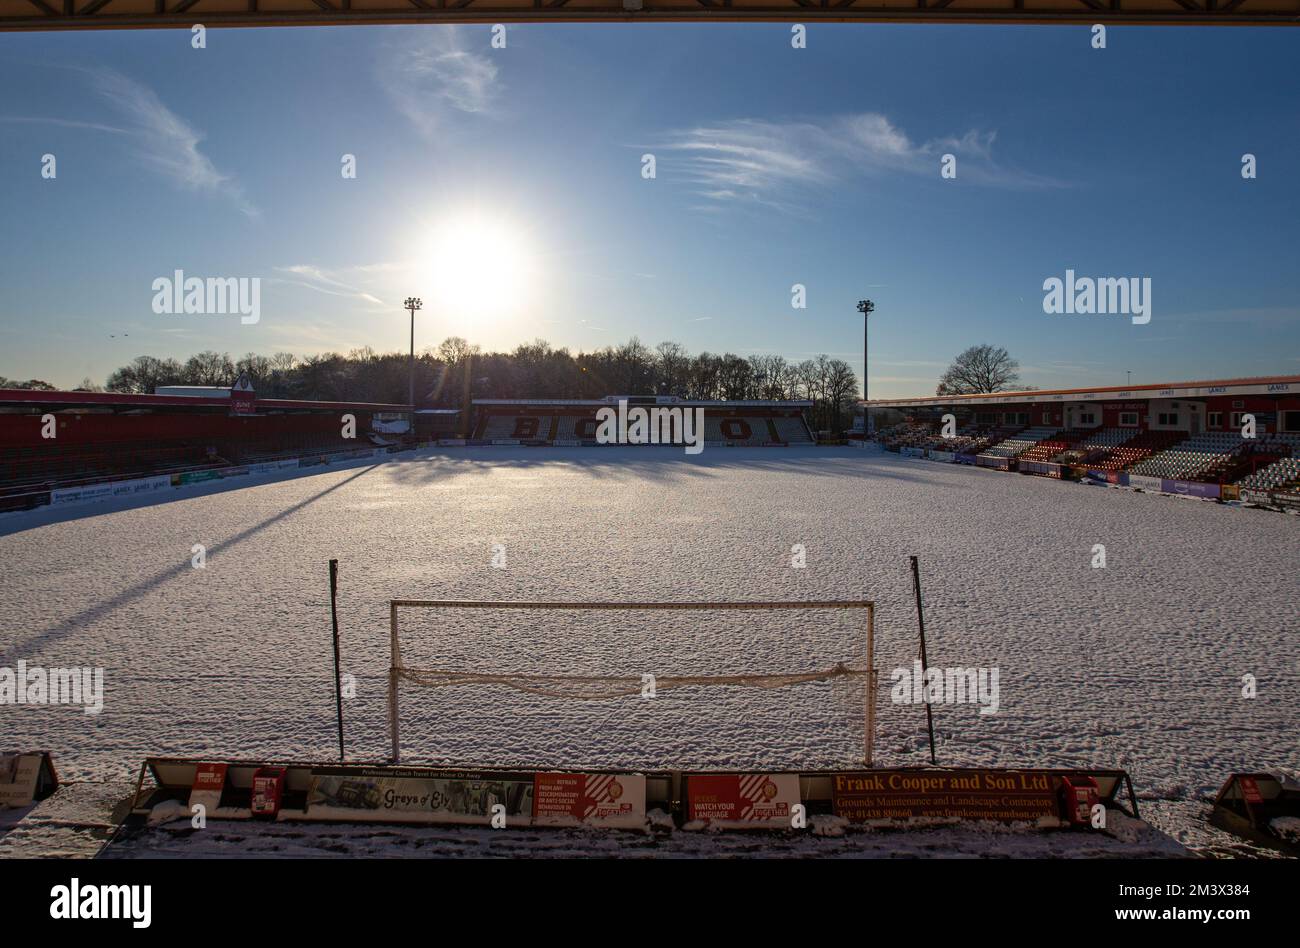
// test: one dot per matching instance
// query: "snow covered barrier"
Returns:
(693, 800)
(366, 793)
(26, 778)
(1264, 808)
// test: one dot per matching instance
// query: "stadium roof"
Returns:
(117, 401)
(134, 14)
(1266, 385)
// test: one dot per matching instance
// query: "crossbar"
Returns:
(395, 652)
(524, 604)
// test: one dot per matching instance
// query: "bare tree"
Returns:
(672, 366)
(209, 368)
(737, 378)
(841, 387)
(980, 370)
(283, 361)
(634, 367)
(455, 371)
(706, 370)
(258, 368)
(144, 374)
(454, 348)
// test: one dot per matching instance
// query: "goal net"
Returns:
(621, 652)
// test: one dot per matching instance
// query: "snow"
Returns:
(1287, 827)
(1138, 664)
(308, 840)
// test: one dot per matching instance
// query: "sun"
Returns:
(478, 266)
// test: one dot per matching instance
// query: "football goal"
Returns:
(598, 687)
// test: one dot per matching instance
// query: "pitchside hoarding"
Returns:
(417, 795)
(1144, 482)
(26, 778)
(612, 800)
(414, 795)
(758, 800)
(1190, 488)
(1004, 796)
(109, 491)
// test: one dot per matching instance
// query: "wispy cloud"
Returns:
(63, 123)
(165, 140)
(162, 138)
(432, 76)
(330, 282)
(757, 162)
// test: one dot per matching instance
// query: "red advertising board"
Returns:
(209, 782)
(595, 799)
(742, 798)
(1005, 796)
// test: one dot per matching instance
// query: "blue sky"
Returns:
(775, 166)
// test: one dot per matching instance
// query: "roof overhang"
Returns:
(1276, 385)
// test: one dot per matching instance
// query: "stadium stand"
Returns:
(1049, 448)
(102, 437)
(1197, 458)
(752, 424)
(1095, 445)
(977, 440)
(970, 439)
(749, 432)
(517, 428)
(1283, 474)
(1135, 449)
(570, 428)
(790, 430)
(906, 435)
(1019, 443)
(24, 470)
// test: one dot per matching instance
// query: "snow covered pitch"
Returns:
(1138, 664)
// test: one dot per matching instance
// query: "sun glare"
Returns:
(479, 266)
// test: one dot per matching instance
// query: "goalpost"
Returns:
(608, 686)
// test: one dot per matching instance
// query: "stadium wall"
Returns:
(78, 428)
(541, 422)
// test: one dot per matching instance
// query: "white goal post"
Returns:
(396, 670)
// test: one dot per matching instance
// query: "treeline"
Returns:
(455, 372)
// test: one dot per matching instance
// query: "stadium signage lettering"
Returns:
(651, 426)
(1102, 296)
(960, 794)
